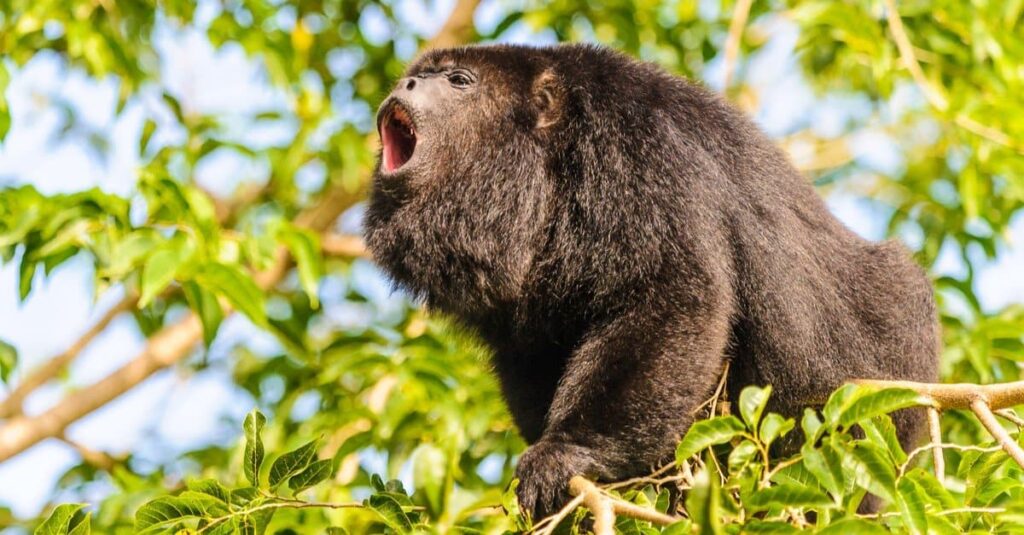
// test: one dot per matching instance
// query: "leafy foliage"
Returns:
(401, 395)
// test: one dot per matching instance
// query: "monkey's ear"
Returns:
(548, 99)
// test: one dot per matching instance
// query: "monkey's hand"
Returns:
(544, 472)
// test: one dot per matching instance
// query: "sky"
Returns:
(175, 411)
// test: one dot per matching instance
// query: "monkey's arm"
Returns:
(626, 397)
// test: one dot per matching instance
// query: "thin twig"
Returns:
(988, 419)
(547, 525)
(1008, 414)
(906, 50)
(931, 92)
(943, 446)
(935, 432)
(732, 43)
(285, 504)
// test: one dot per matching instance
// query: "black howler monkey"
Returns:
(615, 234)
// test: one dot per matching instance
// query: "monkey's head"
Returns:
(461, 190)
(494, 158)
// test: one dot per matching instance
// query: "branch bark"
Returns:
(979, 399)
(960, 395)
(343, 245)
(732, 44)
(605, 507)
(12, 404)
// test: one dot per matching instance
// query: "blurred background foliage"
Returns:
(397, 394)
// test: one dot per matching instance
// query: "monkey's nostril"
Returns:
(410, 84)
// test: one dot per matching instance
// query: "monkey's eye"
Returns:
(459, 79)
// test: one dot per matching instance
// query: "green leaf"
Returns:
(130, 250)
(238, 288)
(875, 472)
(853, 526)
(291, 463)
(510, 503)
(811, 425)
(778, 528)
(164, 512)
(774, 426)
(789, 495)
(881, 432)
(390, 511)
(210, 487)
(148, 128)
(26, 274)
(752, 402)
(317, 472)
(838, 401)
(206, 306)
(163, 265)
(826, 468)
(707, 433)
(911, 505)
(253, 454)
(742, 455)
(704, 502)
(66, 519)
(8, 360)
(877, 403)
(429, 471)
(305, 249)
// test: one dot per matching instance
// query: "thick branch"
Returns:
(980, 399)
(960, 395)
(11, 405)
(458, 29)
(346, 246)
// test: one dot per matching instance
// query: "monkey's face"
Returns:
(412, 116)
(461, 186)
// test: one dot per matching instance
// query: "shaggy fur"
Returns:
(616, 234)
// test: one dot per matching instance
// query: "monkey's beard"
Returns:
(462, 238)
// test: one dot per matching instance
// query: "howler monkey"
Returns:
(616, 234)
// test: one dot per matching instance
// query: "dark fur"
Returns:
(615, 234)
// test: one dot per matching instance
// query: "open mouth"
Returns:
(398, 136)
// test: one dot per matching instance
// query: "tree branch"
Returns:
(959, 395)
(979, 399)
(343, 245)
(458, 29)
(984, 413)
(11, 405)
(932, 93)
(732, 44)
(605, 507)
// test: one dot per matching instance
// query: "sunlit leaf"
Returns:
(253, 454)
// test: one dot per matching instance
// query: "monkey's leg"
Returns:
(626, 397)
